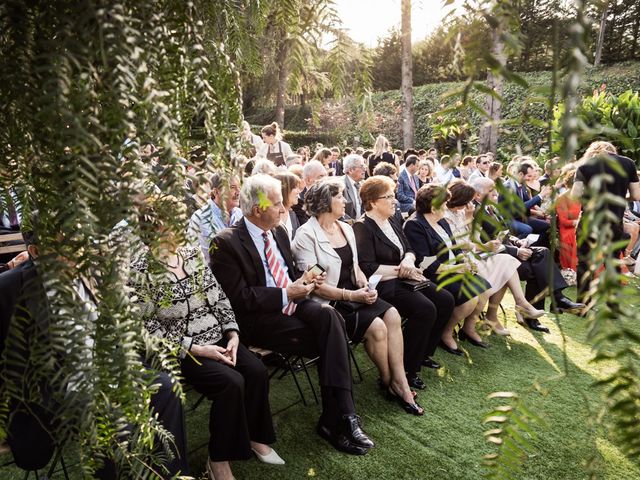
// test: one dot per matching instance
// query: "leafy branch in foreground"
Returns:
(513, 426)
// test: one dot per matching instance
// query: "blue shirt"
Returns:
(258, 241)
(206, 222)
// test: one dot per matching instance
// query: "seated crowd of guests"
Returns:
(403, 252)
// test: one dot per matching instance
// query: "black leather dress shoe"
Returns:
(565, 305)
(463, 336)
(352, 428)
(340, 441)
(431, 363)
(453, 351)
(534, 324)
(416, 382)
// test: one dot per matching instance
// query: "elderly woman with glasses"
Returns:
(384, 250)
(326, 241)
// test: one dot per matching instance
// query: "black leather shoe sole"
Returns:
(340, 442)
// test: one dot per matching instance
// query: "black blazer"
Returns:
(426, 242)
(237, 265)
(490, 224)
(375, 248)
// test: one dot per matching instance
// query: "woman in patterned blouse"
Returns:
(181, 301)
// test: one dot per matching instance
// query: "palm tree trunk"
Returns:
(603, 26)
(407, 76)
(283, 76)
(488, 137)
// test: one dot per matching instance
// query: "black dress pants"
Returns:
(444, 302)
(239, 396)
(540, 272)
(584, 248)
(315, 330)
(422, 321)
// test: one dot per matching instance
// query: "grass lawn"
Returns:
(448, 443)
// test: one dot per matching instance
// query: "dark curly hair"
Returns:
(318, 198)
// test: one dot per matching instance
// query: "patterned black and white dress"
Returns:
(190, 311)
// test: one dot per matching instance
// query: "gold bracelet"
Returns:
(343, 294)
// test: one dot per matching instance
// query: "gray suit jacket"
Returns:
(350, 207)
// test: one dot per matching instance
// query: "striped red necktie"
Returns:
(281, 278)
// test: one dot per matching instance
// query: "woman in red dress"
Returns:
(568, 211)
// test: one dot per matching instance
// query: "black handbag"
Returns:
(416, 285)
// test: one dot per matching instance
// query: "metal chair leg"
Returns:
(355, 362)
(306, 371)
(295, 379)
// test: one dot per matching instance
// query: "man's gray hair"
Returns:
(294, 159)
(254, 191)
(312, 167)
(349, 162)
(482, 184)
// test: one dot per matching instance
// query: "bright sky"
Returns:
(367, 20)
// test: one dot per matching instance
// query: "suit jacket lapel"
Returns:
(249, 246)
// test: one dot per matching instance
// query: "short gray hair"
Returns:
(312, 167)
(294, 159)
(349, 162)
(265, 166)
(318, 198)
(480, 184)
(254, 190)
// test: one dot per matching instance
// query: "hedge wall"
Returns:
(387, 114)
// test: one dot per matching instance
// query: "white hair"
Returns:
(254, 190)
(265, 166)
(311, 168)
(349, 162)
(294, 159)
(482, 184)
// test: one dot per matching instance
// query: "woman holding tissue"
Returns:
(326, 241)
(384, 250)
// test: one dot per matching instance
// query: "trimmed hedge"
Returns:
(429, 99)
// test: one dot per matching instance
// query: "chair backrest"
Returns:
(12, 243)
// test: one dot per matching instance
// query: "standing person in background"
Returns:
(380, 154)
(601, 159)
(274, 148)
(408, 184)
(335, 163)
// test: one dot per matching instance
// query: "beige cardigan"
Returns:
(311, 246)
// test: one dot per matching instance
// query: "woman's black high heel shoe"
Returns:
(412, 408)
(463, 336)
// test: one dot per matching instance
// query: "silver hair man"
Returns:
(255, 191)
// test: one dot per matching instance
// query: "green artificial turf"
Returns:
(448, 442)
